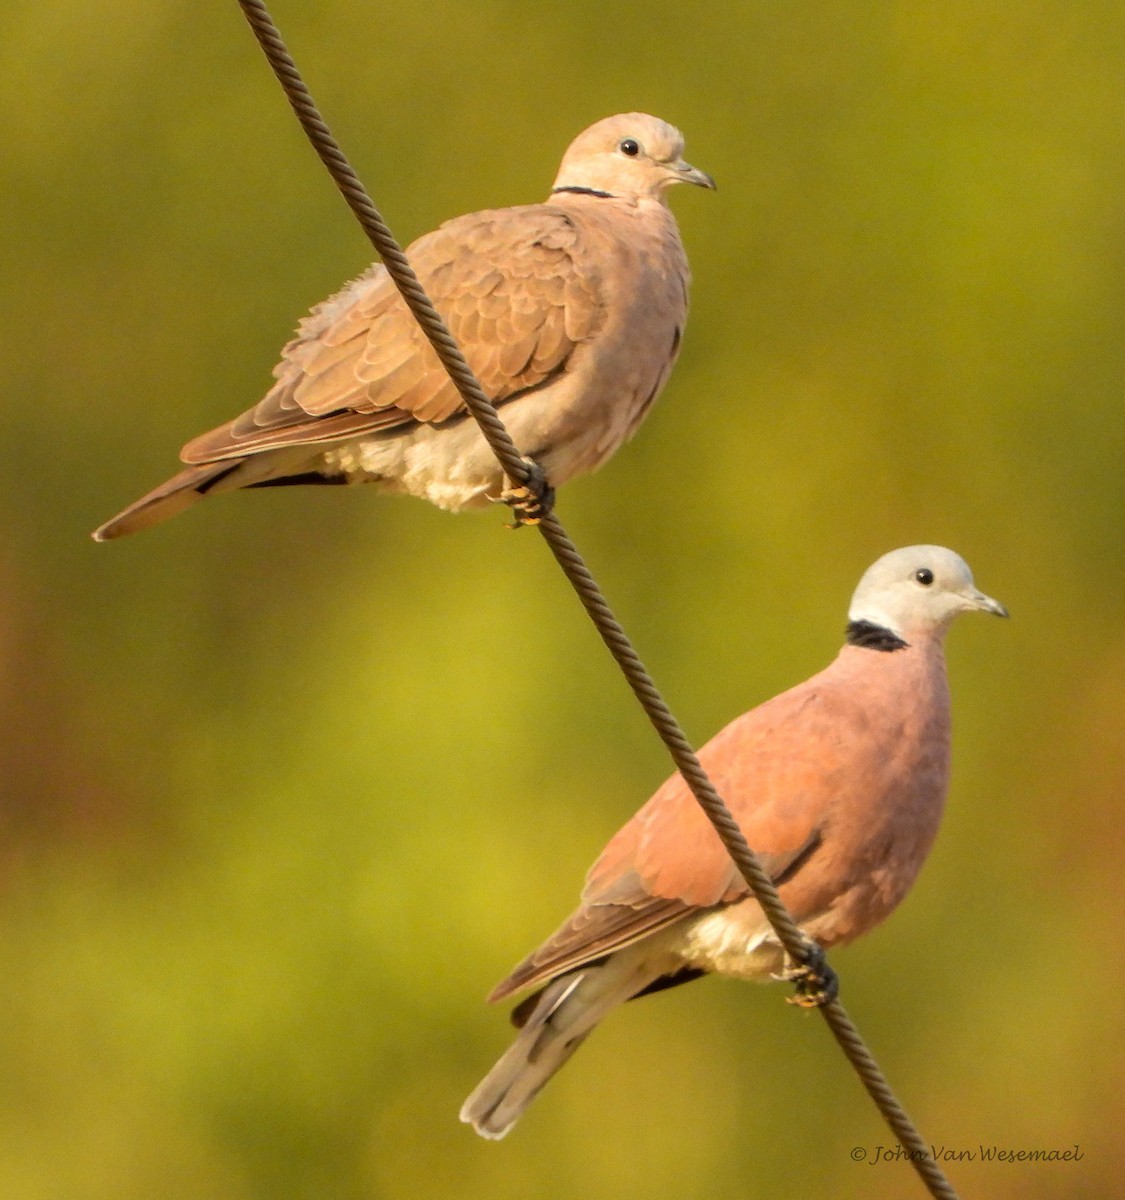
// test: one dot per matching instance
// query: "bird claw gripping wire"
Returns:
(530, 502)
(815, 981)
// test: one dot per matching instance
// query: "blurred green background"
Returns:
(287, 784)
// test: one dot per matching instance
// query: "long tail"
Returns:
(178, 493)
(561, 1017)
(196, 482)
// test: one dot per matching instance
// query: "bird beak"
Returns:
(683, 172)
(983, 603)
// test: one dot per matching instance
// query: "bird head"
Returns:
(629, 156)
(919, 590)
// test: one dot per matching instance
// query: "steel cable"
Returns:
(819, 982)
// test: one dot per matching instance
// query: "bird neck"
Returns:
(576, 190)
(870, 636)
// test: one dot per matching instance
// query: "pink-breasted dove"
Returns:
(569, 312)
(838, 785)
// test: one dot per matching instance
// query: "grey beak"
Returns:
(686, 173)
(987, 604)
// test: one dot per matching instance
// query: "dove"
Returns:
(570, 313)
(838, 785)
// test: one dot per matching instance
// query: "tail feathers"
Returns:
(559, 1023)
(195, 482)
(178, 493)
(561, 1017)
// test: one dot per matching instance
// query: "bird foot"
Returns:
(530, 502)
(815, 982)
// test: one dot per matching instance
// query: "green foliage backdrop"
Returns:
(287, 784)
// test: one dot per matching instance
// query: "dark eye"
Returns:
(924, 576)
(630, 147)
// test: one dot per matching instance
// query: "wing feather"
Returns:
(668, 863)
(517, 291)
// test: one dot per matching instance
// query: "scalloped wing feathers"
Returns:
(360, 363)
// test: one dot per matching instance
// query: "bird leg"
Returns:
(530, 501)
(815, 982)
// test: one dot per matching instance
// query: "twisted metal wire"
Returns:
(821, 981)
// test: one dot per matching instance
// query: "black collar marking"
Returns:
(873, 637)
(583, 191)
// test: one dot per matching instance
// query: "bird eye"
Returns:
(924, 576)
(629, 146)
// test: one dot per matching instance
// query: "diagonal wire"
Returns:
(799, 948)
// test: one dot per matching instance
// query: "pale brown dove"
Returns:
(838, 785)
(570, 313)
